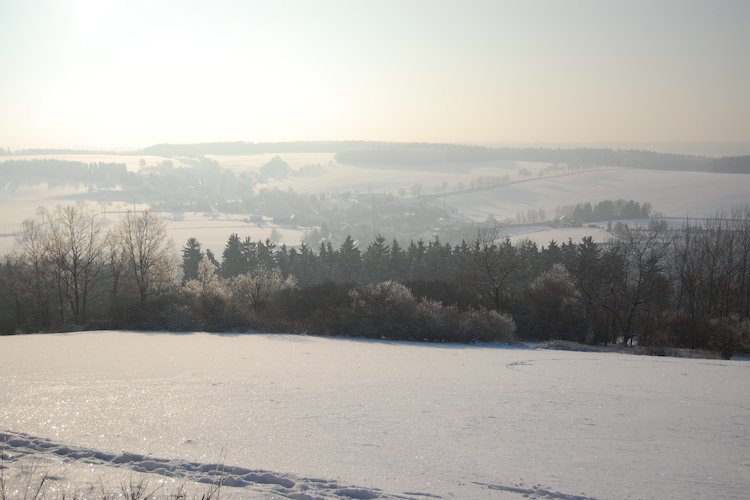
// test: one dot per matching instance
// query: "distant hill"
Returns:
(412, 154)
(54, 151)
(249, 148)
(415, 154)
(405, 154)
(732, 164)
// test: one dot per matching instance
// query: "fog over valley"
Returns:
(486, 249)
(295, 192)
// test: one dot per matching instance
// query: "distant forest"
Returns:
(388, 153)
(651, 286)
(14, 173)
(406, 154)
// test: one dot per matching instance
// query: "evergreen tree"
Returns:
(415, 260)
(266, 252)
(212, 258)
(551, 255)
(437, 261)
(327, 258)
(250, 252)
(233, 260)
(283, 257)
(305, 266)
(397, 262)
(348, 261)
(191, 258)
(584, 265)
(375, 266)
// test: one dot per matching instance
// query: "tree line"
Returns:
(66, 272)
(62, 172)
(416, 154)
(384, 153)
(608, 210)
(650, 286)
(422, 153)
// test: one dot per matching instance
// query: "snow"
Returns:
(673, 194)
(213, 230)
(314, 417)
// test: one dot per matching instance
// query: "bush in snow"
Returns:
(729, 335)
(389, 310)
(205, 301)
(383, 310)
(553, 308)
(254, 292)
(323, 309)
(486, 325)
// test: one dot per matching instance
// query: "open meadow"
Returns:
(314, 417)
(526, 187)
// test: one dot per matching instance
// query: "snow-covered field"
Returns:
(309, 417)
(671, 193)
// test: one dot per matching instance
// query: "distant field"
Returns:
(673, 194)
(240, 163)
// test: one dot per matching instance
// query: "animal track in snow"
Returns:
(536, 491)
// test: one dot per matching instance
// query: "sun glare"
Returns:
(88, 17)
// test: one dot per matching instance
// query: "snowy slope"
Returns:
(308, 417)
(673, 194)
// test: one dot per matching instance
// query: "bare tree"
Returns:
(147, 253)
(741, 227)
(115, 267)
(711, 270)
(75, 249)
(257, 287)
(491, 264)
(645, 252)
(31, 276)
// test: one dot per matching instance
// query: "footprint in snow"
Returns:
(16, 445)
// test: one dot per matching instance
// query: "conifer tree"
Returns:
(233, 259)
(191, 258)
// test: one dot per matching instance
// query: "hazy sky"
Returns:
(131, 73)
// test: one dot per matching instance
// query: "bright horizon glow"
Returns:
(98, 74)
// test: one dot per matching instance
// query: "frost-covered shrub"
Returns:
(728, 335)
(179, 317)
(320, 309)
(389, 310)
(552, 307)
(208, 298)
(433, 320)
(486, 325)
(391, 293)
(384, 310)
(253, 293)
